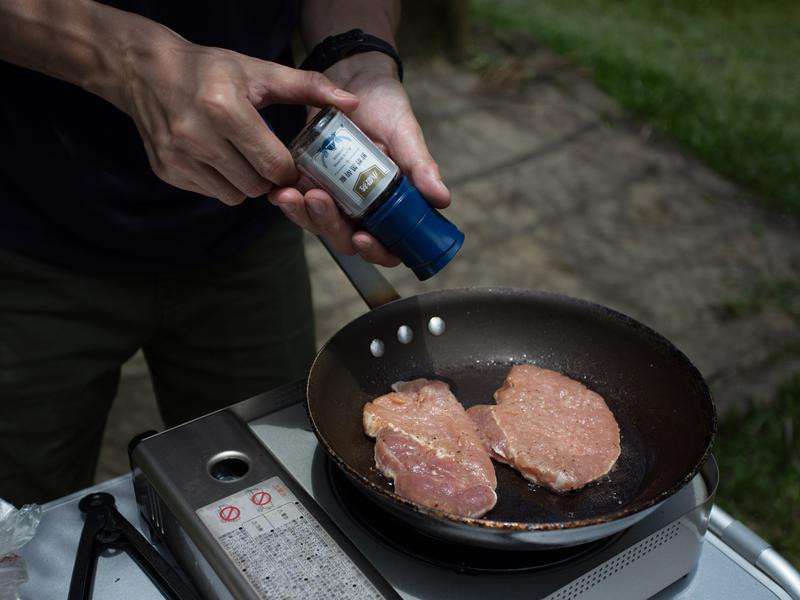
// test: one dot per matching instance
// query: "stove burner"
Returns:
(456, 557)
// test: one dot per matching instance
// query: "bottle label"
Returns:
(368, 179)
(347, 165)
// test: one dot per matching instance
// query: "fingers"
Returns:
(409, 150)
(293, 86)
(297, 209)
(316, 212)
(249, 134)
(183, 171)
(219, 154)
(207, 134)
(292, 204)
(329, 221)
(184, 183)
(216, 185)
(236, 169)
(373, 251)
(191, 148)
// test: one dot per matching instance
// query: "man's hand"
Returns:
(196, 110)
(384, 114)
(195, 107)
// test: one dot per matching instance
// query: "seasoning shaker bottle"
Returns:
(369, 188)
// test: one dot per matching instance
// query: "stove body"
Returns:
(209, 491)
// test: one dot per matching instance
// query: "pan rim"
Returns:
(519, 526)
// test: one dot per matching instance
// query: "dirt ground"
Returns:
(557, 189)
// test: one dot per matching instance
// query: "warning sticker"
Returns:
(280, 548)
(261, 497)
(229, 513)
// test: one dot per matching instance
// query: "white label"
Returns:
(347, 164)
(341, 155)
(345, 159)
(280, 548)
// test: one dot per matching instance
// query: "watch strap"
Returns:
(337, 47)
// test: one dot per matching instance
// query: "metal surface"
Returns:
(285, 433)
(651, 565)
(462, 558)
(277, 398)
(780, 571)
(50, 555)
(652, 388)
(377, 348)
(755, 550)
(104, 530)
(161, 461)
(665, 546)
(173, 479)
(720, 573)
(405, 334)
(436, 326)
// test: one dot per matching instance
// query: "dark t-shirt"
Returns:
(76, 189)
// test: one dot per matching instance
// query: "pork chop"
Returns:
(551, 428)
(432, 450)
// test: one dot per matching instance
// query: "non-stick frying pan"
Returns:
(665, 413)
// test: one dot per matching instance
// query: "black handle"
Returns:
(80, 587)
(151, 562)
(104, 527)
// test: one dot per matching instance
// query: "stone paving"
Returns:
(557, 190)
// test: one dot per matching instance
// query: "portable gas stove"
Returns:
(250, 507)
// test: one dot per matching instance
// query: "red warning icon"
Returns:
(260, 498)
(229, 513)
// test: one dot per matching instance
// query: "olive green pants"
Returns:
(212, 336)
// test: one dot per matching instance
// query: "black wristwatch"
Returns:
(336, 47)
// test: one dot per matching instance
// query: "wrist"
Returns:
(372, 64)
(130, 44)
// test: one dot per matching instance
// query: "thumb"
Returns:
(293, 86)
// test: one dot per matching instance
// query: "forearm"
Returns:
(83, 42)
(321, 18)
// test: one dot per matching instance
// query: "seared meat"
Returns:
(428, 445)
(551, 428)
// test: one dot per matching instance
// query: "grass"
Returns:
(783, 294)
(719, 76)
(758, 450)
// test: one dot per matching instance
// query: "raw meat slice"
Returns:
(551, 428)
(428, 445)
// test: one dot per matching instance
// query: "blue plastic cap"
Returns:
(414, 231)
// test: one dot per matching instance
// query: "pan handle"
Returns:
(373, 287)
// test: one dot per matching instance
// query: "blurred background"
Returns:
(641, 154)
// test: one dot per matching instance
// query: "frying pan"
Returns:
(664, 409)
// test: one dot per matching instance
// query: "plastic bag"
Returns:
(16, 529)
